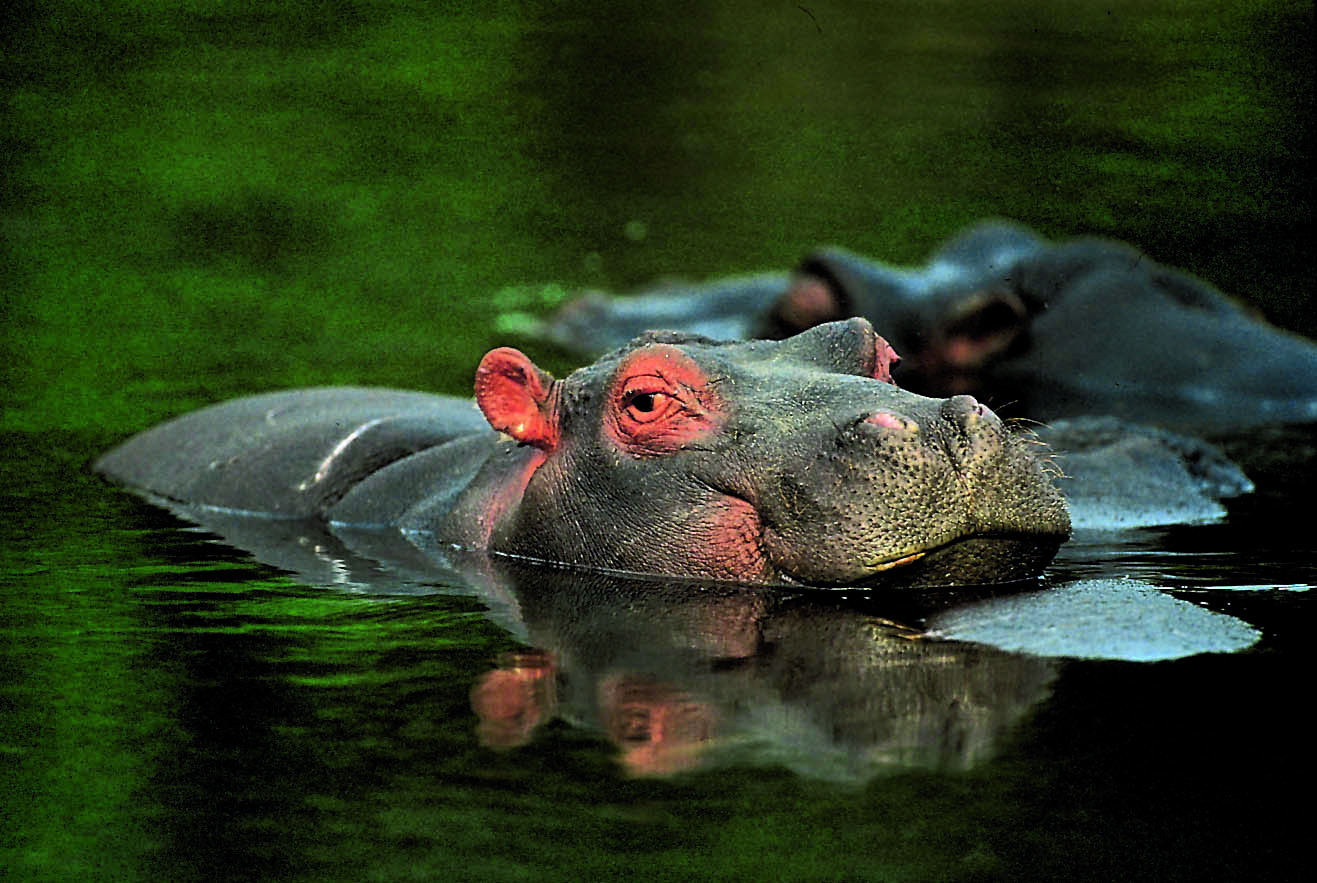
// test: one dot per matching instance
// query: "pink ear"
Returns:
(886, 360)
(517, 398)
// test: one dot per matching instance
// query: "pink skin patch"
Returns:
(660, 401)
(727, 542)
(659, 728)
(500, 500)
(889, 420)
(981, 328)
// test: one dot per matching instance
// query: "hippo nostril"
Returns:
(966, 412)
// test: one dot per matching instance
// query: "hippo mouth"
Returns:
(879, 566)
(977, 559)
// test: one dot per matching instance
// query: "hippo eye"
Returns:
(644, 407)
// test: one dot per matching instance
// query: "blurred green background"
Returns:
(207, 198)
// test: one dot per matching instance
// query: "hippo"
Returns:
(1052, 330)
(792, 462)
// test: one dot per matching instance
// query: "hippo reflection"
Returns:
(1085, 326)
(680, 676)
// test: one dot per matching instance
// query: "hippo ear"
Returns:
(809, 301)
(517, 398)
(979, 328)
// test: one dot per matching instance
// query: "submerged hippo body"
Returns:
(794, 461)
(1086, 326)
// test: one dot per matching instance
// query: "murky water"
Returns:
(206, 203)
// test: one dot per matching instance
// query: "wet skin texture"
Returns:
(1055, 329)
(794, 461)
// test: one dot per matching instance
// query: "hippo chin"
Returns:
(790, 462)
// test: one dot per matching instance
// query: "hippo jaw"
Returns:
(972, 560)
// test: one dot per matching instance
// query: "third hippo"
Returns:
(780, 462)
(1081, 327)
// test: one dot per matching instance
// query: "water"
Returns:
(175, 709)
(202, 203)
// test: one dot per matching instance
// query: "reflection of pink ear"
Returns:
(980, 328)
(514, 396)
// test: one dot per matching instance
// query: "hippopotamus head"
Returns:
(794, 461)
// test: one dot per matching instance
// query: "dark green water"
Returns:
(207, 199)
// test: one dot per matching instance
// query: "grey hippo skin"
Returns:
(783, 462)
(1041, 330)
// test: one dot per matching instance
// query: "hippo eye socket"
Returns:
(660, 403)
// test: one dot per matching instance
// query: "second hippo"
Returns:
(1081, 327)
(782, 462)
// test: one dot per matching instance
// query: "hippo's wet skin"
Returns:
(794, 461)
(1082, 327)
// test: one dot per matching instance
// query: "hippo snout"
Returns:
(903, 487)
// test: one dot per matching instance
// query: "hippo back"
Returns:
(288, 454)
